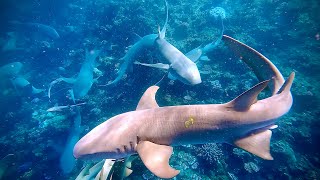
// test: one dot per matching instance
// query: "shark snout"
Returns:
(194, 76)
(78, 151)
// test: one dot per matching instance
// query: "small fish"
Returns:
(60, 108)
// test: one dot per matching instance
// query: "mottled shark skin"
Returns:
(151, 131)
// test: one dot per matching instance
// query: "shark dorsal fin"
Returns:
(258, 144)
(148, 100)
(246, 99)
(162, 32)
(287, 84)
(156, 158)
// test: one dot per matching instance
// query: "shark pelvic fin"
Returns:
(257, 144)
(156, 158)
(287, 84)
(148, 100)
(249, 97)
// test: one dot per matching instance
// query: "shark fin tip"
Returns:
(147, 100)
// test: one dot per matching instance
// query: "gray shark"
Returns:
(23, 86)
(150, 131)
(36, 27)
(181, 67)
(82, 84)
(145, 42)
(10, 70)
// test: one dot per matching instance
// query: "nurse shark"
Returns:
(180, 66)
(150, 131)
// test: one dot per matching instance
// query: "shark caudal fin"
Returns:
(148, 99)
(257, 144)
(162, 33)
(262, 67)
(246, 99)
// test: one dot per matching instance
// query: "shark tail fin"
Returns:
(287, 84)
(162, 33)
(262, 67)
(257, 144)
(246, 99)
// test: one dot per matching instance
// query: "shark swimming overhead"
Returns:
(180, 66)
(151, 131)
(145, 42)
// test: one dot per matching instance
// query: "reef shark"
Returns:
(145, 42)
(82, 84)
(150, 131)
(180, 67)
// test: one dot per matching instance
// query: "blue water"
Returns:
(50, 39)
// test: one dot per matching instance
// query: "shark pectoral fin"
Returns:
(148, 100)
(156, 158)
(257, 144)
(157, 65)
(194, 54)
(246, 99)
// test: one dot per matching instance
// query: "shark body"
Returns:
(146, 42)
(180, 66)
(151, 131)
(83, 82)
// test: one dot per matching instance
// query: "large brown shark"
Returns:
(151, 131)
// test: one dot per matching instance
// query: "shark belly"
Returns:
(181, 67)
